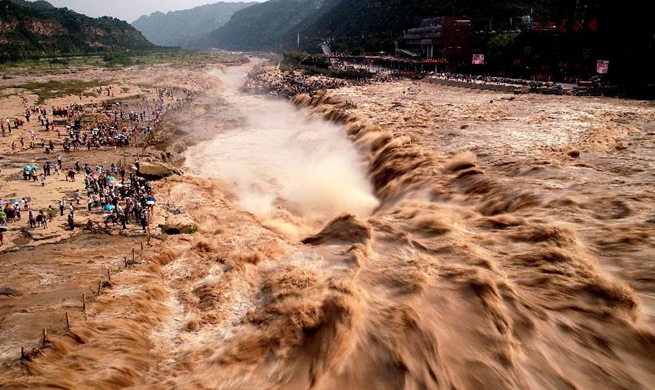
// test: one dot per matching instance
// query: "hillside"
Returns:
(174, 28)
(625, 35)
(36, 5)
(276, 23)
(39, 29)
(389, 18)
(270, 25)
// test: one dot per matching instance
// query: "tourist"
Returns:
(144, 219)
(10, 213)
(41, 219)
(32, 220)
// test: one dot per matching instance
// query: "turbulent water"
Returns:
(379, 253)
(461, 278)
(279, 161)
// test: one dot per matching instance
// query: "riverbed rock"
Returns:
(179, 147)
(8, 291)
(621, 145)
(156, 170)
(173, 158)
(177, 224)
(345, 229)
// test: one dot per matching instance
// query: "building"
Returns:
(447, 38)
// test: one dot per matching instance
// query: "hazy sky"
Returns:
(130, 10)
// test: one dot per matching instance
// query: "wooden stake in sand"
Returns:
(99, 286)
(22, 354)
(125, 261)
(45, 336)
(108, 275)
(68, 322)
(133, 256)
(84, 302)
(152, 210)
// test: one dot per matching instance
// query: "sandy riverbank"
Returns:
(135, 86)
(45, 270)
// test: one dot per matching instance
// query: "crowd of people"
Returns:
(115, 192)
(120, 202)
(260, 80)
(115, 124)
(292, 83)
(120, 197)
(9, 124)
(486, 79)
(295, 82)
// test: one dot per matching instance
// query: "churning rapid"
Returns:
(375, 254)
(291, 171)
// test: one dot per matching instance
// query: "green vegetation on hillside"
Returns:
(294, 58)
(55, 65)
(39, 29)
(623, 33)
(355, 26)
(54, 89)
(273, 25)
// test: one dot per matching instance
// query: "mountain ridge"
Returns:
(622, 32)
(174, 28)
(40, 29)
(270, 25)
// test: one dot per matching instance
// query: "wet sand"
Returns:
(494, 258)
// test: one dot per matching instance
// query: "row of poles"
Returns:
(24, 356)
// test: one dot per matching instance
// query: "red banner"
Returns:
(602, 66)
(478, 59)
(593, 25)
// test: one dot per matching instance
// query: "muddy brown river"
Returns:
(391, 236)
